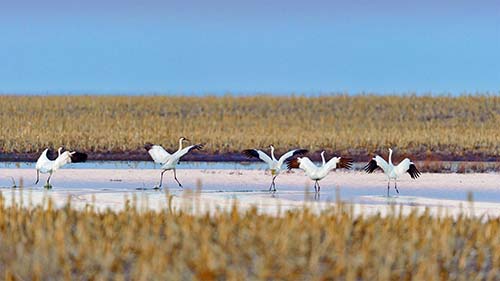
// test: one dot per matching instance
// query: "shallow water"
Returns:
(145, 165)
(446, 166)
(111, 181)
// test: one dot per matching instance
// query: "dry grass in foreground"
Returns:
(465, 125)
(46, 243)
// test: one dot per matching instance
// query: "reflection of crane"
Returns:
(391, 171)
(167, 160)
(273, 164)
(318, 173)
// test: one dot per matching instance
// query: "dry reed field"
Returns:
(45, 243)
(357, 125)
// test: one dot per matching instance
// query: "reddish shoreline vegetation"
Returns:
(463, 128)
(431, 164)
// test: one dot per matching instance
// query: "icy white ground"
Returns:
(213, 189)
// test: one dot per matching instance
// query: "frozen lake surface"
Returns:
(215, 186)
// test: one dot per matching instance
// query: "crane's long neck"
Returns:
(323, 158)
(390, 157)
(272, 153)
(180, 144)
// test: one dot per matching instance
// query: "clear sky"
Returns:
(199, 47)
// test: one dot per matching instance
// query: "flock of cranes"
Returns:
(49, 162)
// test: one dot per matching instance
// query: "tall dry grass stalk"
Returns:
(453, 125)
(45, 243)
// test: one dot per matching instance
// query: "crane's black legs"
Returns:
(37, 176)
(175, 177)
(317, 188)
(161, 180)
(47, 184)
(395, 186)
(388, 186)
(273, 185)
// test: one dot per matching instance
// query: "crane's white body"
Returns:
(274, 165)
(317, 173)
(393, 172)
(46, 166)
(169, 161)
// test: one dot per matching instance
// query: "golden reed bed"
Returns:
(45, 243)
(425, 126)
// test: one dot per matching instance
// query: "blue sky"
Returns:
(215, 47)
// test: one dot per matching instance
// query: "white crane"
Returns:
(318, 173)
(47, 163)
(391, 171)
(167, 160)
(273, 164)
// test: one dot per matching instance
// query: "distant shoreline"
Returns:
(357, 156)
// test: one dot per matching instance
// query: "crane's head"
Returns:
(323, 153)
(390, 150)
(272, 147)
(183, 139)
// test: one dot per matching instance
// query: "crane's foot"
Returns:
(47, 186)
(157, 187)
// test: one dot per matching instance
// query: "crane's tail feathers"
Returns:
(292, 163)
(78, 157)
(413, 171)
(250, 153)
(345, 163)
(371, 167)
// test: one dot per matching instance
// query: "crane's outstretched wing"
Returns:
(179, 153)
(78, 157)
(376, 163)
(255, 153)
(414, 173)
(158, 153)
(303, 163)
(51, 154)
(406, 166)
(42, 160)
(289, 154)
(338, 162)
